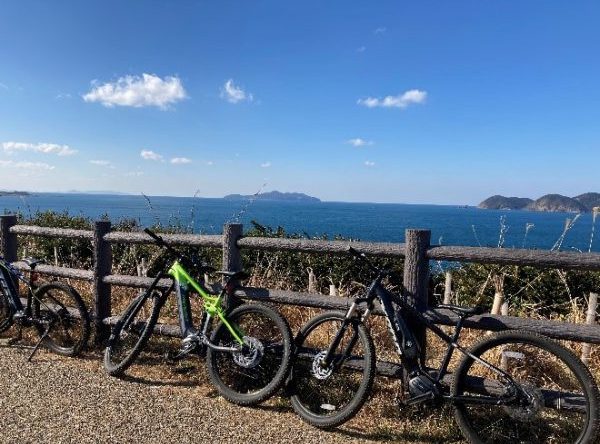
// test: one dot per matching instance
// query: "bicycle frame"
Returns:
(8, 284)
(212, 304)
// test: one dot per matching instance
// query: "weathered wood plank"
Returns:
(507, 256)
(33, 230)
(51, 270)
(193, 240)
(386, 249)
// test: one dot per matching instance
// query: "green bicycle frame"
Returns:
(212, 303)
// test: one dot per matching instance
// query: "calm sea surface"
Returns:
(450, 225)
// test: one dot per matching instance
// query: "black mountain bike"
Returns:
(248, 353)
(510, 387)
(54, 309)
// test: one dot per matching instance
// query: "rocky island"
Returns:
(550, 202)
(14, 193)
(275, 196)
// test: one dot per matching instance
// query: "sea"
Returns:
(449, 224)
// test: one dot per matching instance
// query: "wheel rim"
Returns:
(324, 391)
(124, 341)
(59, 314)
(548, 406)
(251, 370)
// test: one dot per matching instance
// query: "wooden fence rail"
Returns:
(417, 252)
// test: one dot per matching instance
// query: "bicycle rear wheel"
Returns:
(130, 334)
(5, 312)
(63, 317)
(556, 399)
(254, 374)
(329, 396)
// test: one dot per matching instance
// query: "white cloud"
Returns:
(150, 155)
(103, 163)
(60, 96)
(134, 174)
(210, 163)
(380, 30)
(265, 165)
(45, 148)
(235, 94)
(180, 160)
(135, 91)
(368, 163)
(361, 49)
(358, 142)
(410, 97)
(35, 166)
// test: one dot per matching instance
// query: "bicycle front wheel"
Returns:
(329, 396)
(5, 312)
(62, 317)
(130, 334)
(256, 372)
(554, 399)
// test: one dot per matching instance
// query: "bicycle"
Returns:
(54, 309)
(512, 386)
(247, 354)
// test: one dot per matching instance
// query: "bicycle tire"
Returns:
(327, 398)
(116, 362)
(547, 373)
(252, 377)
(6, 312)
(63, 308)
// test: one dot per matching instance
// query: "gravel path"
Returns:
(72, 400)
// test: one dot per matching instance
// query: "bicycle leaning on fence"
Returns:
(247, 354)
(512, 386)
(54, 309)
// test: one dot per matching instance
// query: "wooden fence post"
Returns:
(416, 279)
(590, 319)
(448, 288)
(232, 257)
(102, 268)
(8, 240)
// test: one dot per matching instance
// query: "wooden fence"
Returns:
(416, 252)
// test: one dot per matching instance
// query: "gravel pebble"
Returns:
(69, 400)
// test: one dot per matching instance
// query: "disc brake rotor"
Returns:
(530, 407)
(252, 355)
(319, 371)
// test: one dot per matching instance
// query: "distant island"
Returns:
(275, 196)
(550, 202)
(14, 193)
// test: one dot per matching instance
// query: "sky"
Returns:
(389, 101)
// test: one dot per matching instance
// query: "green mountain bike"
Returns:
(247, 354)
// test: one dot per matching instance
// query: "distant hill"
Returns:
(14, 193)
(589, 200)
(550, 202)
(498, 202)
(275, 196)
(557, 202)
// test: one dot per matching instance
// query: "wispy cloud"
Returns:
(235, 94)
(32, 166)
(358, 142)
(413, 96)
(361, 49)
(180, 160)
(137, 92)
(369, 164)
(380, 30)
(61, 96)
(265, 165)
(102, 163)
(210, 163)
(45, 148)
(3, 86)
(134, 174)
(150, 155)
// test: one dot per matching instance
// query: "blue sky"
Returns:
(417, 102)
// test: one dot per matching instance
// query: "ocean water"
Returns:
(450, 225)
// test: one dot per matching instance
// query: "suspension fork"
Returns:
(348, 320)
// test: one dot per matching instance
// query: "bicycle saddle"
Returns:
(464, 311)
(33, 262)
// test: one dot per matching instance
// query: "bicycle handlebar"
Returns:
(363, 257)
(178, 254)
